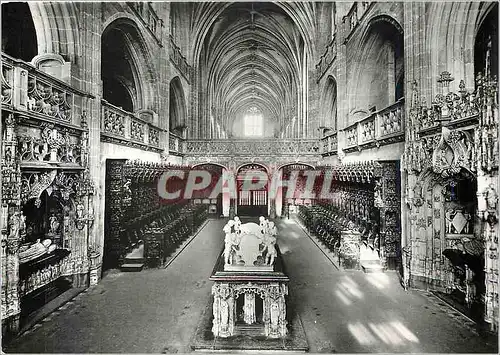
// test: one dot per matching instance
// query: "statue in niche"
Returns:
(275, 314)
(22, 227)
(224, 315)
(378, 202)
(53, 224)
(491, 198)
(80, 210)
(450, 213)
(127, 193)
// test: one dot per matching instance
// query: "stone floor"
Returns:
(157, 310)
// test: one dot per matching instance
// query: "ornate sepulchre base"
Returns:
(248, 312)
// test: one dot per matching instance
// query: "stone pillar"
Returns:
(275, 310)
(232, 208)
(90, 78)
(272, 207)
(223, 310)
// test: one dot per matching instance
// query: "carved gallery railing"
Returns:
(380, 128)
(180, 61)
(327, 58)
(354, 16)
(252, 148)
(122, 127)
(176, 144)
(149, 18)
(39, 95)
(329, 144)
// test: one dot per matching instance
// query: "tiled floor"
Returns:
(341, 311)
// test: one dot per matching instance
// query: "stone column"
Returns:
(90, 78)
(223, 310)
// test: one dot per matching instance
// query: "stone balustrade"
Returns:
(327, 58)
(354, 16)
(329, 144)
(149, 17)
(120, 126)
(176, 144)
(38, 95)
(179, 60)
(380, 128)
(253, 147)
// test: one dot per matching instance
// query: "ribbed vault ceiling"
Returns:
(251, 57)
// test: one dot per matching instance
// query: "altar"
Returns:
(250, 283)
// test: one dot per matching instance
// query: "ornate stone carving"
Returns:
(7, 77)
(49, 99)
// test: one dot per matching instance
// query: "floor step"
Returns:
(134, 260)
(132, 267)
(372, 266)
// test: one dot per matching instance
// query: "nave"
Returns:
(158, 310)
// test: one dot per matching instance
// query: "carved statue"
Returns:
(491, 198)
(270, 247)
(449, 217)
(228, 241)
(275, 314)
(224, 315)
(127, 193)
(79, 210)
(53, 224)
(263, 224)
(237, 224)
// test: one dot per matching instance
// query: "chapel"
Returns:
(249, 176)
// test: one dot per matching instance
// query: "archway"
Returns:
(177, 107)
(127, 74)
(294, 192)
(378, 81)
(486, 45)
(211, 196)
(19, 38)
(252, 190)
(253, 57)
(455, 252)
(329, 106)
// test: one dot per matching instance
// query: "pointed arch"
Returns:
(177, 102)
(127, 71)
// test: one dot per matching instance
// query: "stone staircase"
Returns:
(134, 261)
(369, 259)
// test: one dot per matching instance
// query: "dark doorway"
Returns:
(18, 31)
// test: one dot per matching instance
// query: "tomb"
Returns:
(250, 307)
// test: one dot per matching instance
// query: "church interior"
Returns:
(378, 119)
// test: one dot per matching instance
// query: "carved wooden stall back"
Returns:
(364, 201)
(451, 163)
(136, 213)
